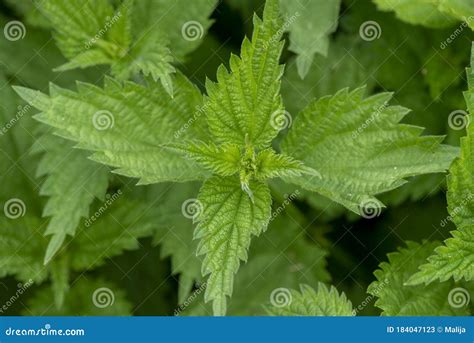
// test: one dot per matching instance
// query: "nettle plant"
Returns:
(150, 122)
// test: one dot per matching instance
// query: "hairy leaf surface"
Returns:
(223, 160)
(93, 32)
(455, 258)
(283, 250)
(241, 106)
(309, 302)
(360, 149)
(396, 298)
(126, 125)
(226, 225)
(72, 183)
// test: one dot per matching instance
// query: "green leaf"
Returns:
(34, 70)
(126, 126)
(16, 137)
(308, 302)
(94, 33)
(360, 149)
(60, 280)
(229, 159)
(184, 22)
(420, 12)
(149, 54)
(21, 248)
(309, 36)
(461, 9)
(174, 230)
(455, 258)
(223, 160)
(76, 24)
(72, 183)
(396, 298)
(152, 57)
(226, 224)
(239, 107)
(328, 74)
(87, 297)
(284, 250)
(114, 227)
(269, 164)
